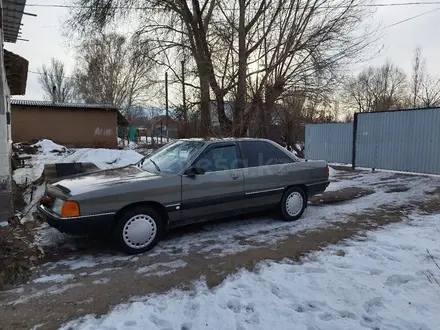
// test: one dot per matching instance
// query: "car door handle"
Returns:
(235, 176)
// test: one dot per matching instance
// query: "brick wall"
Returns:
(70, 127)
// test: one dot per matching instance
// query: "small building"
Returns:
(70, 124)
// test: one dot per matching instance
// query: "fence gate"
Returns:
(402, 140)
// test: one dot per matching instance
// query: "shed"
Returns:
(71, 124)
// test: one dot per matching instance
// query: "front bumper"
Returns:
(88, 225)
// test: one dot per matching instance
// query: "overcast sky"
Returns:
(399, 42)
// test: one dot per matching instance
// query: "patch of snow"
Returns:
(86, 261)
(385, 281)
(47, 236)
(57, 278)
(55, 289)
(105, 270)
(47, 146)
(103, 280)
(4, 224)
(161, 268)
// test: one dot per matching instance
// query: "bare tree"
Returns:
(113, 70)
(377, 89)
(430, 92)
(418, 76)
(56, 86)
(280, 43)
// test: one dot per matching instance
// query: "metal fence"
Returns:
(402, 140)
(331, 142)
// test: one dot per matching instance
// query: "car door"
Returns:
(219, 191)
(265, 173)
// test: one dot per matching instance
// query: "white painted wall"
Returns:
(4, 129)
(5, 140)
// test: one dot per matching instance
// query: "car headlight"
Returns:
(65, 208)
(57, 206)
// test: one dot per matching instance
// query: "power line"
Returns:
(429, 3)
(412, 17)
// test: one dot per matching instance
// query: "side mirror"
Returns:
(193, 171)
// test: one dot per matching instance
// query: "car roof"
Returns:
(210, 140)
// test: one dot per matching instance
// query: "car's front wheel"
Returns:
(293, 203)
(138, 230)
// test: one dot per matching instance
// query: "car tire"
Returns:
(293, 203)
(138, 230)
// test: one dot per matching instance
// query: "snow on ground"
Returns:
(57, 288)
(386, 281)
(57, 278)
(162, 268)
(88, 261)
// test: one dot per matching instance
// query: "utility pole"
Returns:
(166, 102)
(185, 113)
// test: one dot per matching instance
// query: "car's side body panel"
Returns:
(212, 194)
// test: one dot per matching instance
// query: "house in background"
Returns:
(69, 124)
(160, 124)
(13, 77)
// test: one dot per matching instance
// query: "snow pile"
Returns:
(387, 281)
(103, 158)
(47, 146)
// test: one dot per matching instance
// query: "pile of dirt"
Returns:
(17, 256)
(339, 196)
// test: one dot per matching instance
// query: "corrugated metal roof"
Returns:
(31, 103)
(12, 16)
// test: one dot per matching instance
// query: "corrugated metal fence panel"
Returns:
(329, 142)
(406, 141)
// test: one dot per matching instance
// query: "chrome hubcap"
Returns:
(294, 204)
(139, 231)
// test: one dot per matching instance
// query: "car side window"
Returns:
(282, 158)
(220, 158)
(257, 153)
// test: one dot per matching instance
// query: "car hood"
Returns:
(98, 180)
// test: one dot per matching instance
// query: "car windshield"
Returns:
(171, 158)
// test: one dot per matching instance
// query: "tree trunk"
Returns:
(205, 106)
(240, 102)
(225, 123)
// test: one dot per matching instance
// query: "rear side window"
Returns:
(257, 153)
(281, 155)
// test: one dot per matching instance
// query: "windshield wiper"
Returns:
(155, 165)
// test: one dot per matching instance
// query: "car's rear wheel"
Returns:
(293, 203)
(138, 230)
